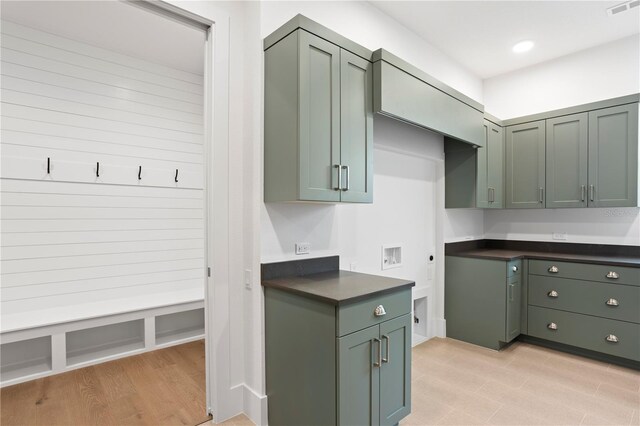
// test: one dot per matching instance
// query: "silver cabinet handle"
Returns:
(379, 362)
(388, 339)
(379, 311)
(591, 192)
(612, 302)
(613, 275)
(612, 338)
(511, 286)
(348, 178)
(554, 269)
(541, 194)
(492, 194)
(514, 268)
(552, 294)
(582, 192)
(339, 187)
(552, 326)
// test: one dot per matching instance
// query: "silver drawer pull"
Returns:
(612, 302)
(613, 275)
(388, 339)
(378, 363)
(554, 269)
(379, 311)
(514, 268)
(552, 326)
(553, 294)
(611, 338)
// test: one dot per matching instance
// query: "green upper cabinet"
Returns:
(356, 128)
(490, 169)
(318, 122)
(404, 92)
(613, 157)
(566, 152)
(525, 160)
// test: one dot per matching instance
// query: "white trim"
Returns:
(255, 406)
(440, 327)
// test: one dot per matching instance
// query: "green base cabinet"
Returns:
(337, 365)
(589, 306)
(318, 112)
(483, 300)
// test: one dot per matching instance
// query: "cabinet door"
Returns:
(514, 307)
(566, 182)
(319, 116)
(525, 166)
(495, 166)
(395, 372)
(356, 128)
(359, 377)
(482, 171)
(613, 157)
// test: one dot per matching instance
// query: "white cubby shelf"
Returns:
(47, 349)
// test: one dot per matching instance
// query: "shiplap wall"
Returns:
(68, 236)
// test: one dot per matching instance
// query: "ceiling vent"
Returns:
(623, 7)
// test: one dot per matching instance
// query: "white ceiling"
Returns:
(480, 34)
(116, 26)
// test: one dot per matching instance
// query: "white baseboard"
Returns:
(255, 406)
(440, 327)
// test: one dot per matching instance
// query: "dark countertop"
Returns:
(507, 254)
(337, 287)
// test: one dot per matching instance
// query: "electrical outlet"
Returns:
(303, 248)
(247, 279)
(353, 266)
(560, 236)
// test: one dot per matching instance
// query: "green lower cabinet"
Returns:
(359, 379)
(374, 370)
(395, 371)
(327, 366)
(483, 300)
(617, 338)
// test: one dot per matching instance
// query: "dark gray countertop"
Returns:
(337, 287)
(507, 254)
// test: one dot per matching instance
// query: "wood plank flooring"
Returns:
(163, 387)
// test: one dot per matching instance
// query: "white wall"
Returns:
(602, 72)
(374, 30)
(600, 226)
(595, 74)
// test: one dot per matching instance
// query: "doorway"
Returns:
(104, 207)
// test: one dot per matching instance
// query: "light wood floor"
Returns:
(163, 387)
(455, 383)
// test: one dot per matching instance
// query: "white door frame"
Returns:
(223, 399)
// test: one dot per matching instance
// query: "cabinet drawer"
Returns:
(585, 271)
(359, 315)
(615, 301)
(586, 332)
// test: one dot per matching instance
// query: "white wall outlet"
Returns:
(560, 236)
(303, 248)
(353, 266)
(391, 256)
(247, 279)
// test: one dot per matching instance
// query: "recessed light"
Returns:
(523, 46)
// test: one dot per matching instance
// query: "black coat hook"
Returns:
(176, 175)
(139, 173)
(48, 165)
(98, 169)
